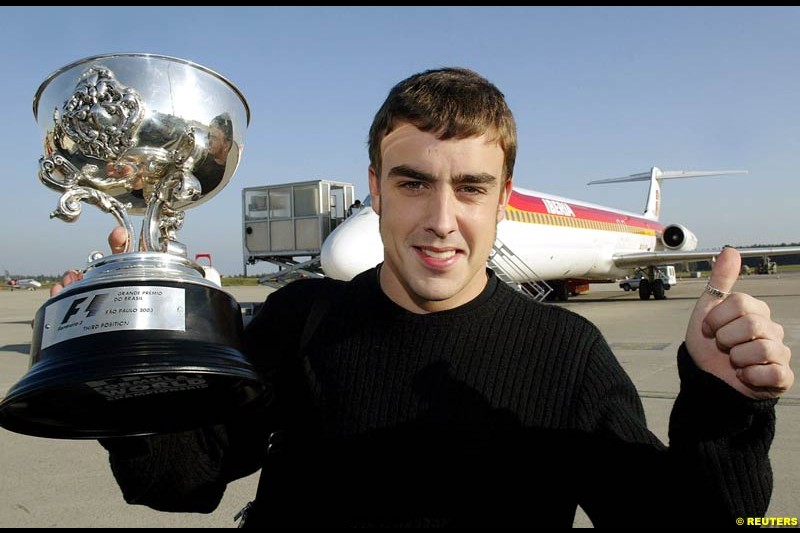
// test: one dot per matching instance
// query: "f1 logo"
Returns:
(91, 309)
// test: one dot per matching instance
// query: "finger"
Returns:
(771, 379)
(118, 240)
(69, 277)
(55, 289)
(724, 273)
(760, 352)
(733, 323)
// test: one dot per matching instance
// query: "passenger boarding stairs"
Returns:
(508, 267)
(290, 270)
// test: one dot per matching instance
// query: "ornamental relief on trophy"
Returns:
(102, 115)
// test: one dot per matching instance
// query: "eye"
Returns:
(472, 190)
(412, 185)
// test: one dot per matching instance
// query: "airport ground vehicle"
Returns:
(631, 284)
(767, 267)
(662, 279)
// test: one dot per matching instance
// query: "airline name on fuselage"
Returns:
(554, 207)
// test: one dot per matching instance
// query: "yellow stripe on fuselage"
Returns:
(517, 215)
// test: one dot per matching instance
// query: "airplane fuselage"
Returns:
(30, 284)
(560, 238)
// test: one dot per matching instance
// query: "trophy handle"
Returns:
(69, 205)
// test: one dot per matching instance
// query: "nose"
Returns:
(442, 213)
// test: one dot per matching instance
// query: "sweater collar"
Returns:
(369, 281)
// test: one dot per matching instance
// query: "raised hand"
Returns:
(732, 336)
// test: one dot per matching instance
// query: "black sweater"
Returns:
(502, 412)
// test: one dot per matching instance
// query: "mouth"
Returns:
(437, 257)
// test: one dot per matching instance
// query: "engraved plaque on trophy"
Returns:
(144, 343)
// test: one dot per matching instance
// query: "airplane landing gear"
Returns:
(644, 289)
(560, 291)
(655, 282)
(658, 290)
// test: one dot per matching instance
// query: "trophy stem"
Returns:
(161, 221)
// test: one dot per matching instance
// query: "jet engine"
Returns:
(679, 238)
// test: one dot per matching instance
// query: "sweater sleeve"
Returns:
(725, 437)
(179, 472)
(189, 471)
(716, 467)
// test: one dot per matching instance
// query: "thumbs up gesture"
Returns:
(732, 336)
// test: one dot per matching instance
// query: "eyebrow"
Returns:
(405, 171)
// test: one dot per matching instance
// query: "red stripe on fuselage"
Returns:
(536, 204)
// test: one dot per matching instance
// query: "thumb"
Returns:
(724, 273)
(118, 240)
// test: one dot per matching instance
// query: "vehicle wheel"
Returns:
(658, 290)
(644, 290)
(626, 287)
(559, 292)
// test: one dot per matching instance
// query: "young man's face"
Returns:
(218, 146)
(439, 204)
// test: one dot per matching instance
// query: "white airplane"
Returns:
(565, 242)
(13, 283)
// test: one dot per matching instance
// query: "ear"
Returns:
(375, 190)
(505, 195)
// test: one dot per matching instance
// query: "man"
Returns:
(445, 398)
(211, 169)
(354, 208)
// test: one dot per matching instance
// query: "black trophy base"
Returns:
(138, 382)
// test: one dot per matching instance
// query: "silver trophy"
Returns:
(145, 343)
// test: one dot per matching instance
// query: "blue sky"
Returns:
(596, 92)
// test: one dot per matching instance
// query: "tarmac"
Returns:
(68, 483)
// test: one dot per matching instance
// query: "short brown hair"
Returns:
(452, 102)
(223, 123)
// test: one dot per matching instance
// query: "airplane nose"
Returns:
(352, 247)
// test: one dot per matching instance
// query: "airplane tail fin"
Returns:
(653, 208)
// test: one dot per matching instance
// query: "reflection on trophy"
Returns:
(144, 343)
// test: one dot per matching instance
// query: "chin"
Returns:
(437, 290)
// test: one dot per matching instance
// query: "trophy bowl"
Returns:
(146, 342)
